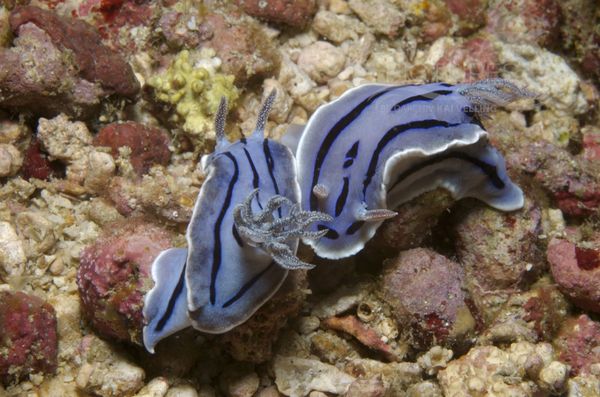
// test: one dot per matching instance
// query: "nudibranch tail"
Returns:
(165, 306)
(276, 236)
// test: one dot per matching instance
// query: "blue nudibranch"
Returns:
(359, 157)
(378, 146)
(242, 238)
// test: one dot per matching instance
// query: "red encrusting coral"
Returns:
(578, 343)
(296, 13)
(569, 179)
(428, 298)
(149, 145)
(243, 47)
(526, 21)
(576, 270)
(470, 13)
(59, 65)
(499, 250)
(477, 57)
(28, 339)
(114, 275)
(36, 163)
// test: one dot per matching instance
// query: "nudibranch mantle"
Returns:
(378, 146)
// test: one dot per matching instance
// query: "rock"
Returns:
(36, 163)
(180, 29)
(28, 340)
(580, 36)
(246, 51)
(105, 372)
(471, 14)
(529, 66)
(435, 359)
(12, 253)
(576, 270)
(381, 15)
(10, 160)
(410, 228)
(425, 389)
(321, 61)
(337, 28)
(526, 21)
(296, 377)
(499, 250)
(554, 377)
(532, 316)
(157, 387)
(101, 168)
(296, 13)
(176, 356)
(367, 387)
(95, 62)
(397, 377)
(12, 131)
(70, 334)
(67, 141)
(331, 348)
(428, 300)
(591, 143)
(584, 386)
(253, 340)
(37, 232)
(124, 26)
(436, 21)
(149, 145)
(363, 333)
(184, 391)
(283, 103)
(239, 380)
(270, 391)
(160, 194)
(578, 344)
(59, 65)
(471, 60)
(515, 371)
(572, 183)
(114, 275)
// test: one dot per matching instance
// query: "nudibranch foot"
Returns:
(165, 306)
(273, 234)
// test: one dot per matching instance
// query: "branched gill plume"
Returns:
(272, 234)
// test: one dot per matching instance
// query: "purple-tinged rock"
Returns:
(28, 341)
(578, 344)
(114, 275)
(576, 269)
(428, 299)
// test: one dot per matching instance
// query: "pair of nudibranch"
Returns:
(358, 158)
